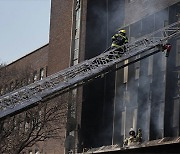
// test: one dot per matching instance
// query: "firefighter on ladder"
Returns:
(133, 138)
(118, 40)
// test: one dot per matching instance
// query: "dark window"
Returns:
(35, 76)
(176, 113)
(42, 73)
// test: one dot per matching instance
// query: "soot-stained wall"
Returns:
(150, 97)
(172, 126)
(104, 17)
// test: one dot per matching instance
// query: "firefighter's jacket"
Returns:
(133, 140)
(130, 141)
(118, 40)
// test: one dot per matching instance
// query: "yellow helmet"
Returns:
(122, 31)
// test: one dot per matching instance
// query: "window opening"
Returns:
(123, 123)
(176, 113)
(42, 74)
(126, 72)
(35, 76)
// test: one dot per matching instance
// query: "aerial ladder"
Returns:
(86, 71)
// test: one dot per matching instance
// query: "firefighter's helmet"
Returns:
(122, 31)
(132, 132)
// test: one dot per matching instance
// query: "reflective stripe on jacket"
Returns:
(118, 40)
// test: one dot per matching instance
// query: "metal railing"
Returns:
(82, 73)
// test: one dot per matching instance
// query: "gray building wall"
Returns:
(138, 9)
(140, 89)
(146, 93)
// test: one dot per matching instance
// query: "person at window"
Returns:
(133, 139)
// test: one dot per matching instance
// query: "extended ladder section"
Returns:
(80, 74)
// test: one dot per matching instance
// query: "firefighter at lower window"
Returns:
(133, 138)
(139, 136)
(118, 40)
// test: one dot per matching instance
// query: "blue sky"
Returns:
(24, 27)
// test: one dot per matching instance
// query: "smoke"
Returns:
(142, 8)
(146, 94)
(103, 20)
(140, 101)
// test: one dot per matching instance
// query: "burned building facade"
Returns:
(147, 92)
(142, 95)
